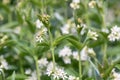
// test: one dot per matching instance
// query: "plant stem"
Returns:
(53, 58)
(21, 68)
(80, 67)
(42, 6)
(3, 75)
(52, 49)
(104, 51)
(37, 67)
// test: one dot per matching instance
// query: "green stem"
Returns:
(53, 58)
(9, 17)
(21, 68)
(37, 67)
(80, 67)
(2, 73)
(104, 51)
(52, 49)
(42, 6)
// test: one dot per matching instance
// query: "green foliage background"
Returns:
(19, 49)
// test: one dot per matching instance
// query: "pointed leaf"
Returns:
(61, 38)
(75, 43)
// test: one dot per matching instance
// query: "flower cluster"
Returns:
(75, 4)
(92, 35)
(66, 54)
(115, 33)
(115, 74)
(68, 27)
(4, 63)
(41, 33)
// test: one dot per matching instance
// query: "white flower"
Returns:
(91, 51)
(28, 71)
(84, 54)
(67, 60)
(71, 78)
(92, 4)
(65, 29)
(115, 33)
(17, 30)
(75, 55)
(93, 35)
(49, 69)
(66, 51)
(84, 27)
(69, 27)
(115, 74)
(42, 62)
(4, 63)
(39, 35)
(59, 74)
(105, 30)
(39, 39)
(39, 24)
(76, 1)
(33, 76)
(74, 5)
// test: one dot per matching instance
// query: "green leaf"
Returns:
(31, 26)
(19, 16)
(75, 43)
(13, 76)
(18, 77)
(5, 7)
(7, 25)
(36, 3)
(43, 44)
(61, 38)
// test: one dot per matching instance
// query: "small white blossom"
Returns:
(84, 27)
(4, 63)
(115, 33)
(67, 60)
(39, 39)
(116, 75)
(49, 69)
(71, 78)
(84, 54)
(105, 30)
(91, 51)
(93, 35)
(17, 30)
(69, 27)
(58, 73)
(42, 62)
(75, 55)
(39, 24)
(28, 71)
(76, 1)
(66, 51)
(65, 29)
(92, 4)
(39, 35)
(74, 5)
(33, 76)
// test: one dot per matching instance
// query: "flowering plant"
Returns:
(59, 40)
